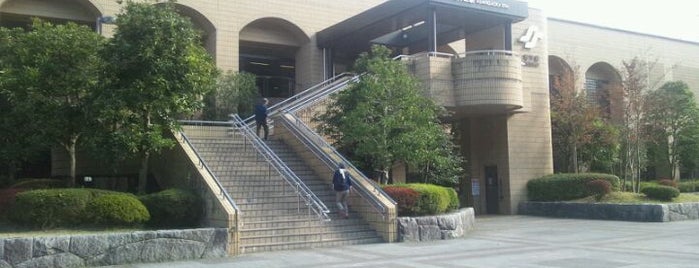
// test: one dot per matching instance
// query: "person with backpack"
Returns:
(261, 117)
(342, 185)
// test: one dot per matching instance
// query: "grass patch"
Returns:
(634, 198)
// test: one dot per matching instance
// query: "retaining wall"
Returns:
(113, 248)
(619, 212)
(439, 227)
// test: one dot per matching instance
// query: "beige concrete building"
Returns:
(487, 61)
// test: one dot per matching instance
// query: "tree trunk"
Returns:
(575, 158)
(70, 148)
(12, 171)
(143, 173)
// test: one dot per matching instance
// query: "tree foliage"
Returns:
(235, 93)
(578, 130)
(634, 88)
(52, 74)
(158, 72)
(671, 112)
(21, 135)
(383, 119)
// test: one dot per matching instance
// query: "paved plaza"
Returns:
(503, 241)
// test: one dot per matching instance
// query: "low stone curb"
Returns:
(619, 212)
(113, 248)
(438, 227)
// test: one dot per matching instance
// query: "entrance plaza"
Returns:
(503, 241)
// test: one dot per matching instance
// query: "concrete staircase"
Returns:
(272, 216)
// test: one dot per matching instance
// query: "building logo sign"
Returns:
(489, 3)
(531, 37)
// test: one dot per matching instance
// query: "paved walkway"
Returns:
(504, 241)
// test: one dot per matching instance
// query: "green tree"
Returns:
(689, 151)
(235, 93)
(157, 72)
(21, 137)
(671, 111)
(633, 135)
(383, 119)
(575, 123)
(56, 70)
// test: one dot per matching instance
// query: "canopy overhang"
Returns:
(408, 23)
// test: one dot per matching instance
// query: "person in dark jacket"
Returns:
(261, 117)
(342, 185)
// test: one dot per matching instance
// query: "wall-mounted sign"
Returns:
(531, 37)
(489, 3)
(530, 60)
(475, 187)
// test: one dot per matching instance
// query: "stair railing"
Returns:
(206, 167)
(325, 152)
(338, 80)
(311, 200)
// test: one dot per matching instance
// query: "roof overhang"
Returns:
(400, 23)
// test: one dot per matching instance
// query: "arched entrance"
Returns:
(602, 87)
(19, 13)
(268, 49)
(201, 23)
(560, 75)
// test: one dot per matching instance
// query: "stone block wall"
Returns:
(619, 212)
(113, 248)
(439, 227)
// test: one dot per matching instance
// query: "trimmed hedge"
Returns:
(51, 208)
(173, 208)
(661, 192)
(566, 186)
(667, 182)
(688, 186)
(599, 188)
(34, 184)
(405, 198)
(116, 210)
(431, 200)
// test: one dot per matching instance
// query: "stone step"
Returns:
(318, 244)
(310, 236)
(297, 221)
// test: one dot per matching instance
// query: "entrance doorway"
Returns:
(492, 190)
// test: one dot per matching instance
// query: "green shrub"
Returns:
(173, 208)
(688, 186)
(50, 208)
(116, 210)
(599, 188)
(667, 182)
(406, 198)
(34, 184)
(561, 187)
(661, 192)
(453, 199)
(433, 199)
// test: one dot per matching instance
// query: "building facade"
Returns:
(487, 62)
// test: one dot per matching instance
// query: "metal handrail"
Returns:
(305, 94)
(322, 94)
(206, 167)
(320, 147)
(311, 200)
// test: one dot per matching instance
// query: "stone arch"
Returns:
(269, 48)
(201, 23)
(18, 13)
(603, 87)
(560, 73)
